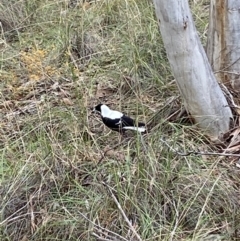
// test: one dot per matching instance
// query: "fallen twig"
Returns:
(122, 212)
(101, 229)
(198, 152)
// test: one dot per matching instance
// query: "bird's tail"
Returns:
(140, 129)
(140, 124)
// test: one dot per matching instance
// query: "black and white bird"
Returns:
(117, 121)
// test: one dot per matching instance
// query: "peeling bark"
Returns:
(199, 89)
(223, 45)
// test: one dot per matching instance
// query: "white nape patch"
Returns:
(111, 114)
(135, 128)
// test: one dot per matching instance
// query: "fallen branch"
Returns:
(122, 212)
(198, 152)
(102, 230)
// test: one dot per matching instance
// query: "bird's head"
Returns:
(102, 109)
(97, 109)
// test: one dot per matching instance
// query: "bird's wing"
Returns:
(127, 121)
(111, 123)
(130, 124)
(118, 122)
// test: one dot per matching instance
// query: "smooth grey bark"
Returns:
(199, 89)
(223, 44)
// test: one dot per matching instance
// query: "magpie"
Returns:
(117, 121)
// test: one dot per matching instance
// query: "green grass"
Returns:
(63, 175)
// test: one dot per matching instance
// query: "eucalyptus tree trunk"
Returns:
(223, 45)
(198, 87)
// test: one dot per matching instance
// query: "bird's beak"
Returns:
(94, 111)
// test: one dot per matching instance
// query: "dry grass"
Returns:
(63, 175)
